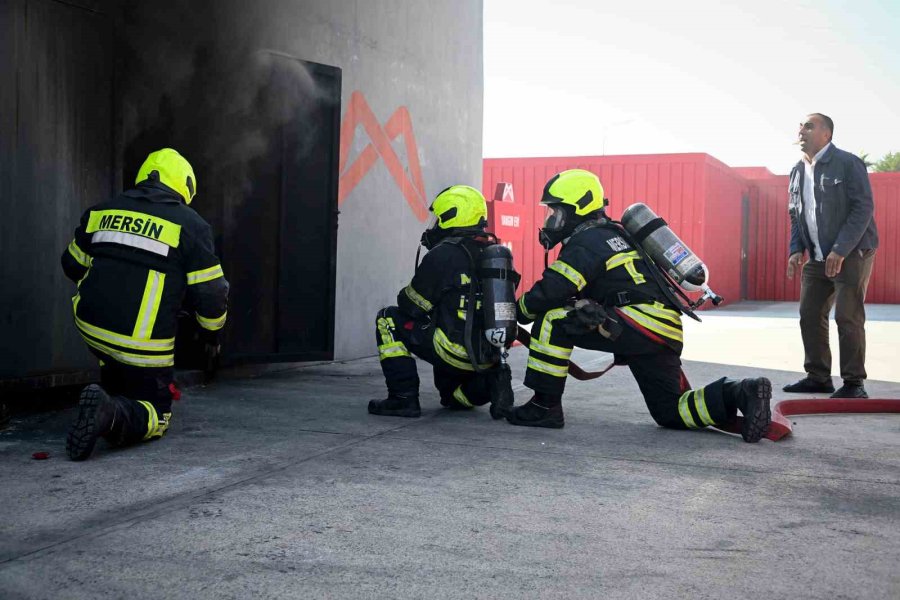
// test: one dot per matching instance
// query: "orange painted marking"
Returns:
(409, 180)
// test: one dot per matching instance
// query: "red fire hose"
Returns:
(781, 426)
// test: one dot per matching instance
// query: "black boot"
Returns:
(96, 416)
(751, 397)
(543, 410)
(397, 405)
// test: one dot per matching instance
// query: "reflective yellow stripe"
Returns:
(523, 309)
(160, 345)
(417, 298)
(386, 329)
(544, 367)
(79, 255)
(570, 273)
(441, 339)
(453, 354)
(152, 419)
(213, 324)
(547, 325)
(135, 223)
(658, 310)
(146, 319)
(626, 259)
(653, 325)
(460, 397)
(685, 411)
(137, 360)
(550, 350)
(204, 275)
(702, 410)
(392, 350)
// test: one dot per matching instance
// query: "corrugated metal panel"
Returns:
(695, 193)
(770, 237)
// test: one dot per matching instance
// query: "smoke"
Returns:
(210, 87)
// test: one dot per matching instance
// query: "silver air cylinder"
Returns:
(498, 290)
(665, 248)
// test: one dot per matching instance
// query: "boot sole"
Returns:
(756, 424)
(83, 434)
(397, 413)
(547, 423)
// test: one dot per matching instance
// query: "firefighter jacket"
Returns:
(135, 258)
(439, 293)
(597, 262)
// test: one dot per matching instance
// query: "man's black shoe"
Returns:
(850, 390)
(753, 402)
(396, 405)
(96, 415)
(533, 414)
(809, 386)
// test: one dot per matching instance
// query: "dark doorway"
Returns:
(283, 296)
(261, 130)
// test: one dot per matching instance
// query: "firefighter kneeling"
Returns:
(624, 308)
(134, 259)
(439, 316)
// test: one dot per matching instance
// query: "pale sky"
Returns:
(729, 78)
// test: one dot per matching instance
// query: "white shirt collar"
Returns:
(817, 156)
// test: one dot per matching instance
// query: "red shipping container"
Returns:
(699, 196)
(770, 232)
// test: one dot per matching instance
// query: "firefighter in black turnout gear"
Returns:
(134, 259)
(430, 318)
(601, 294)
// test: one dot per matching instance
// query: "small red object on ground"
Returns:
(40, 455)
(176, 393)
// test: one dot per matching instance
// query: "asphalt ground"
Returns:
(282, 486)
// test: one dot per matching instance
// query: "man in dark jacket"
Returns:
(134, 259)
(620, 307)
(429, 320)
(832, 219)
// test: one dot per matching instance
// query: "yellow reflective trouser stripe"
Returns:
(385, 328)
(146, 319)
(203, 275)
(392, 350)
(658, 310)
(702, 410)
(523, 309)
(685, 411)
(461, 397)
(388, 348)
(653, 325)
(137, 360)
(544, 367)
(570, 273)
(417, 298)
(453, 354)
(214, 324)
(156, 427)
(554, 351)
(79, 255)
(152, 419)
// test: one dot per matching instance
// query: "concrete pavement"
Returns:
(282, 486)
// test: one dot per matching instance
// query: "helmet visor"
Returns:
(555, 219)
